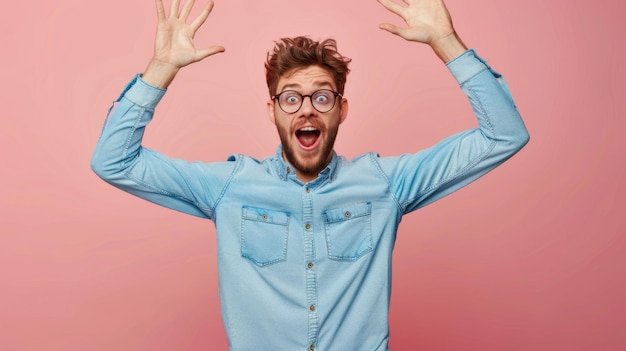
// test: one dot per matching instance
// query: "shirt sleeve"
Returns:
(121, 160)
(419, 179)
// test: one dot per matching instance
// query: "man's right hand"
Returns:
(174, 47)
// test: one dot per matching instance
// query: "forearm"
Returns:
(422, 178)
(120, 141)
(493, 105)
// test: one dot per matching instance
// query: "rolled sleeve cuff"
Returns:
(468, 65)
(141, 93)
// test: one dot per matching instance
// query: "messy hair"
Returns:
(300, 52)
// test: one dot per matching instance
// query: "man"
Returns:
(305, 237)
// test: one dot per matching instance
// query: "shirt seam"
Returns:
(226, 185)
(382, 173)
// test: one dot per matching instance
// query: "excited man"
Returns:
(305, 237)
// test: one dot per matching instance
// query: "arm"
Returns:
(119, 157)
(419, 179)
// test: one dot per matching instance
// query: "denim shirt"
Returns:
(307, 266)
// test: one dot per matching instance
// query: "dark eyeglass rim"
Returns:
(310, 96)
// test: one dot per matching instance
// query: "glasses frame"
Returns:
(310, 96)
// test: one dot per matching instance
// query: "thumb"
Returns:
(393, 29)
(204, 53)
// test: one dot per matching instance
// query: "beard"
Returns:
(309, 167)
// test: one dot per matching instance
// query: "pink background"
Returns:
(530, 257)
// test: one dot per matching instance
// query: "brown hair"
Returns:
(300, 52)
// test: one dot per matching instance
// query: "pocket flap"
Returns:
(347, 212)
(265, 215)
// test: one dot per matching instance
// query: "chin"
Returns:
(308, 166)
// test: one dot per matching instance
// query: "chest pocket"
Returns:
(264, 235)
(348, 231)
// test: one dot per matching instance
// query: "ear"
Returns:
(270, 111)
(343, 113)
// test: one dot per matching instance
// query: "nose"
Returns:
(307, 108)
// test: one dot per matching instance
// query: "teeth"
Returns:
(308, 129)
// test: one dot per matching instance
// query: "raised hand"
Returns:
(428, 22)
(174, 47)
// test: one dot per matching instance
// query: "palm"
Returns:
(174, 44)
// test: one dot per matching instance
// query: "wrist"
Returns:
(448, 47)
(159, 74)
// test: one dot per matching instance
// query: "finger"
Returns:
(186, 10)
(197, 23)
(204, 53)
(393, 29)
(160, 10)
(392, 6)
(174, 8)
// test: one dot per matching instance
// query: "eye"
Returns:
(323, 97)
(290, 98)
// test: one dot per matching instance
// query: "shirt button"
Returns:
(308, 190)
(307, 226)
(288, 170)
(312, 347)
(348, 214)
(310, 265)
(312, 308)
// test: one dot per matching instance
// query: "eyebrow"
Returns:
(321, 84)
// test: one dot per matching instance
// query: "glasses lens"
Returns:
(323, 100)
(290, 101)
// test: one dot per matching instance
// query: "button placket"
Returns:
(310, 272)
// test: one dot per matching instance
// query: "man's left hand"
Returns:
(429, 22)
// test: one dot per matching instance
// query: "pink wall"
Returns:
(531, 257)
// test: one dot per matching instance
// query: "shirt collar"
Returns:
(284, 169)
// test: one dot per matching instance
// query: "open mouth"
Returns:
(308, 137)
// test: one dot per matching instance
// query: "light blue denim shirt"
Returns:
(307, 266)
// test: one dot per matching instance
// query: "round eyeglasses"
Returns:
(290, 101)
